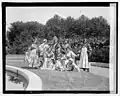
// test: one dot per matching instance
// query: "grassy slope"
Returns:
(64, 80)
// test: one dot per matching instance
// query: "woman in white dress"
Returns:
(84, 64)
(31, 55)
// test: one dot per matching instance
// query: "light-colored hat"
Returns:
(45, 40)
(66, 41)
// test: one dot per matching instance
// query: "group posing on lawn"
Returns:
(58, 56)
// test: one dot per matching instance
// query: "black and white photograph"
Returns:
(56, 48)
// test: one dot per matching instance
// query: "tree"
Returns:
(21, 35)
(55, 25)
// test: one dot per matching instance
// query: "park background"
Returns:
(20, 35)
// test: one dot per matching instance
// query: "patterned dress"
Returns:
(43, 52)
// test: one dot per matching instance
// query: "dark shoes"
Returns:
(85, 69)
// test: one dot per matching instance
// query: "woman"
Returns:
(32, 58)
(31, 55)
(50, 57)
(43, 51)
(84, 64)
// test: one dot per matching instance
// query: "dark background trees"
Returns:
(96, 30)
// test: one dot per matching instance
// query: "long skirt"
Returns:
(84, 60)
(34, 62)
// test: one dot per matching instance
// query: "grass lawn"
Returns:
(56, 80)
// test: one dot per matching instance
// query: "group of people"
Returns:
(57, 56)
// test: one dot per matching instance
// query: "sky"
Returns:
(42, 14)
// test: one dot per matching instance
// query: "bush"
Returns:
(100, 55)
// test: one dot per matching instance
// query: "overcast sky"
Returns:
(42, 14)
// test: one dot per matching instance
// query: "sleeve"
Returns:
(89, 49)
(73, 54)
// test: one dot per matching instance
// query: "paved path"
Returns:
(100, 71)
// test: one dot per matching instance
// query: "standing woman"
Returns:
(84, 63)
(45, 47)
(31, 54)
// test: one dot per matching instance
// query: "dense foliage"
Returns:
(96, 30)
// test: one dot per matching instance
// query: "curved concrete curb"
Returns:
(34, 81)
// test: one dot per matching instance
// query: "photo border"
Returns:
(53, 4)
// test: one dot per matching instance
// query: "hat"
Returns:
(85, 40)
(45, 40)
(66, 41)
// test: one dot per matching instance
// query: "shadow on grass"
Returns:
(28, 67)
